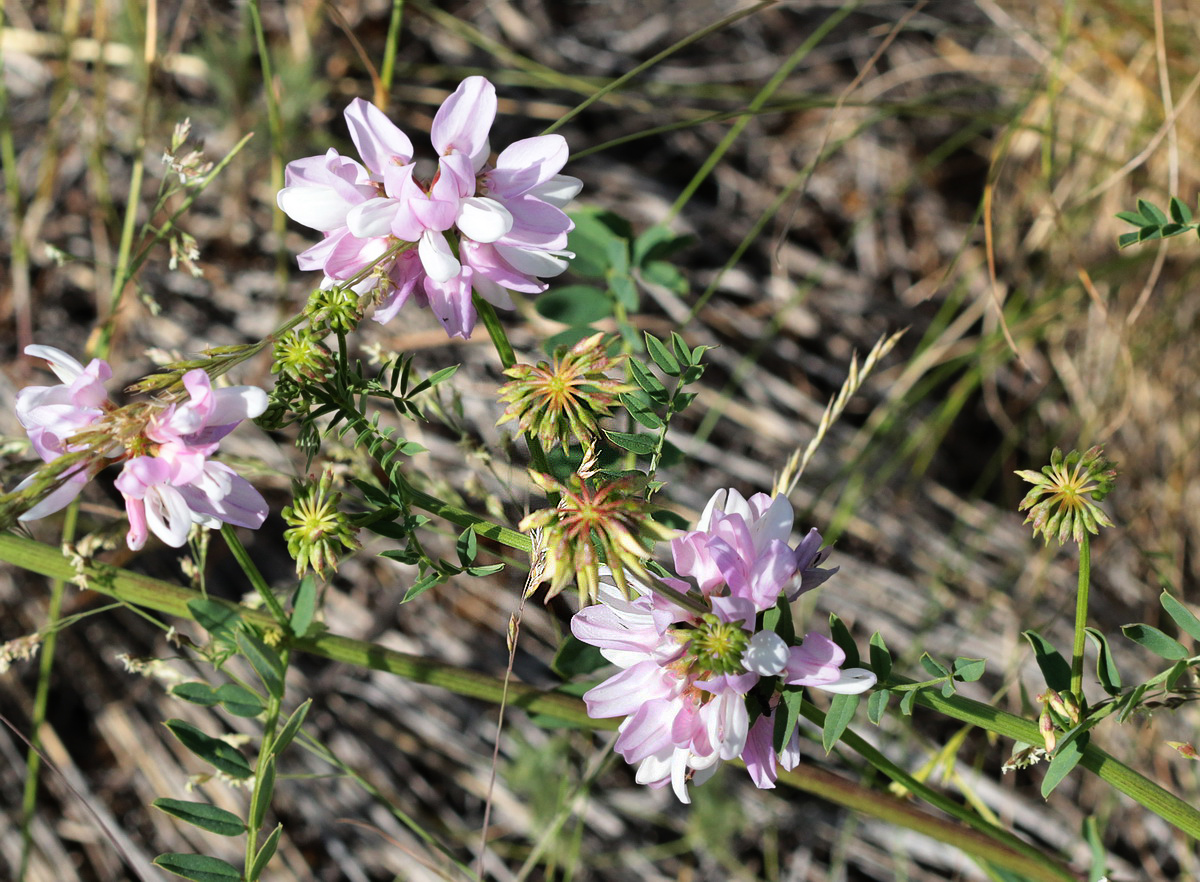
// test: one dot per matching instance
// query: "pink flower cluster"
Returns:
(506, 219)
(685, 677)
(168, 480)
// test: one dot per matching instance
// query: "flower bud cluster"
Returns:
(318, 531)
(491, 228)
(167, 478)
(564, 400)
(685, 676)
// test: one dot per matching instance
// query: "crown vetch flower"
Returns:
(52, 414)
(685, 676)
(474, 227)
(167, 480)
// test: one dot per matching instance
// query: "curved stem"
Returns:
(275, 128)
(1132, 783)
(263, 771)
(802, 52)
(649, 63)
(388, 68)
(172, 599)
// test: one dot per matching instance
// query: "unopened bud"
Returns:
(1046, 727)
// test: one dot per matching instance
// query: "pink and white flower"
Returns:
(52, 414)
(685, 677)
(475, 228)
(167, 480)
(178, 485)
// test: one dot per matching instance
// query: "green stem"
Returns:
(757, 103)
(16, 211)
(41, 699)
(260, 584)
(387, 71)
(1081, 617)
(171, 599)
(491, 321)
(1133, 784)
(266, 756)
(685, 601)
(275, 127)
(193, 194)
(989, 841)
(124, 271)
(666, 53)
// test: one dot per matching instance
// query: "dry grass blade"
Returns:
(789, 475)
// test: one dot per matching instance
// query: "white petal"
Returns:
(558, 191)
(53, 501)
(236, 403)
(716, 502)
(439, 261)
(679, 770)
(655, 767)
(852, 682)
(533, 263)
(320, 208)
(483, 219)
(168, 515)
(735, 503)
(372, 218)
(767, 654)
(64, 366)
(775, 523)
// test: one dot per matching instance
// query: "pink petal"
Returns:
(135, 510)
(626, 691)
(380, 143)
(647, 732)
(462, 123)
(759, 753)
(451, 303)
(526, 164)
